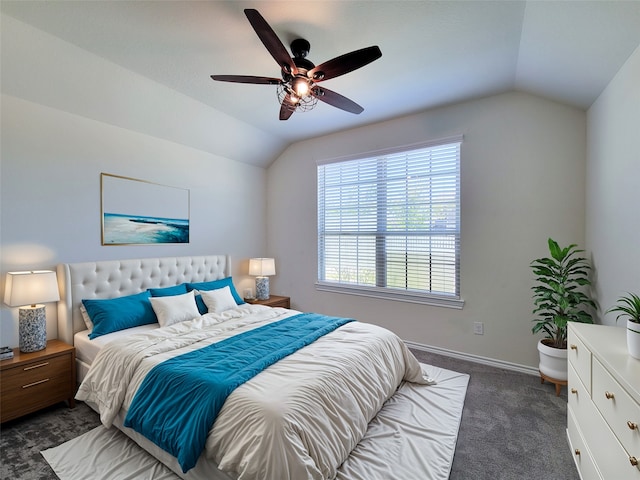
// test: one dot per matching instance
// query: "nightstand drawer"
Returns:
(22, 399)
(31, 381)
(22, 375)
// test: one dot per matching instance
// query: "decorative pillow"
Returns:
(86, 317)
(119, 313)
(175, 308)
(169, 291)
(216, 284)
(219, 300)
(202, 308)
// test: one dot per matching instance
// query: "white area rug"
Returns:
(105, 453)
(413, 437)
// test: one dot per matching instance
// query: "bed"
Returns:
(334, 408)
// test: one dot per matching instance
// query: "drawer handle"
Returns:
(574, 347)
(633, 461)
(632, 425)
(35, 383)
(577, 451)
(36, 366)
(608, 395)
(573, 390)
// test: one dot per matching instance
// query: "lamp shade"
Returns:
(262, 267)
(29, 288)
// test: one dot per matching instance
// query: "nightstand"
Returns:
(272, 301)
(31, 381)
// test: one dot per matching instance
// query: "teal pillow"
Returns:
(119, 313)
(169, 291)
(215, 285)
(202, 307)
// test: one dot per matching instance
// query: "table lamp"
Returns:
(26, 290)
(262, 268)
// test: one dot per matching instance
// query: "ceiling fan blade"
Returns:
(247, 79)
(271, 41)
(336, 100)
(344, 64)
(287, 108)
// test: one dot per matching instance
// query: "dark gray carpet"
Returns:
(513, 428)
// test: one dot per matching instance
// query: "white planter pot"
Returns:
(633, 339)
(553, 361)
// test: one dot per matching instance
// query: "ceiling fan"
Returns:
(298, 89)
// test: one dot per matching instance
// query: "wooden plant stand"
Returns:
(558, 383)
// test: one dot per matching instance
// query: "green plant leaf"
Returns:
(555, 250)
(629, 306)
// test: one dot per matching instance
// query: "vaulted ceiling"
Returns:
(433, 52)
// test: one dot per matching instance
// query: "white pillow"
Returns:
(86, 317)
(218, 300)
(174, 309)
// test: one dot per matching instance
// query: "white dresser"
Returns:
(603, 414)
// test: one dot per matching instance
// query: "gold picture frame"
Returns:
(139, 212)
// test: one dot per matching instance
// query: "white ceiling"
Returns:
(433, 52)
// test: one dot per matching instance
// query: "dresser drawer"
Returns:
(618, 408)
(606, 451)
(580, 450)
(578, 399)
(580, 357)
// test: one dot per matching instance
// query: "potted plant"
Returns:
(629, 306)
(559, 297)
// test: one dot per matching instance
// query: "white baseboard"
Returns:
(492, 362)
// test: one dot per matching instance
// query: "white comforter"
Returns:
(299, 419)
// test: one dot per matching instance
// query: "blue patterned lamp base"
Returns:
(262, 288)
(33, 329)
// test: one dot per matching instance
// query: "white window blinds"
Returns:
(392, 221)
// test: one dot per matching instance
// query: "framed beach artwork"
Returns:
(137, 212)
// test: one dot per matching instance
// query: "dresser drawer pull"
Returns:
(36, 366)
(633, 461)
(574, 347)
(574, 391)
(35, 383)
(608, 395)
(632, 425)
(577, 451)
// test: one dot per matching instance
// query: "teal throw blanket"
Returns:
(179, 399)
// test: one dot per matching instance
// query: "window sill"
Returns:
(388, 294)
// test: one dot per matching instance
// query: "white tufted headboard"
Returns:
(114, 278)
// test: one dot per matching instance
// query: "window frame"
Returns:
(389, 293)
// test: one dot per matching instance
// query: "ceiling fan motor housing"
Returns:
(300, 47)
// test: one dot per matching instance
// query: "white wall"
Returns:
(613, 190)
(52, 154)
(50, 194)
(49, 71)
(522, 180)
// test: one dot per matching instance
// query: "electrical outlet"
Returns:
(478, 328)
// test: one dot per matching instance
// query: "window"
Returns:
(389, 224)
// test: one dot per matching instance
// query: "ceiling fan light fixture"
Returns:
(301, 86)
(288, 97)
